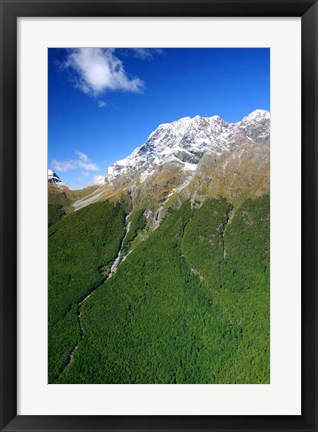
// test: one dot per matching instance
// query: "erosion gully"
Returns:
(114, 267)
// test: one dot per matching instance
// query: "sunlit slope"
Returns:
(192, 158)
(82, 246)
(190, 304)
(233, 264)
(60, 200)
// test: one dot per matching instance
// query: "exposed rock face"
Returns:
(185, 141)
(55, 180)
(194, 158)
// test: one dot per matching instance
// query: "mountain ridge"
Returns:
(187, 139)
(192, 158)
(55, 180)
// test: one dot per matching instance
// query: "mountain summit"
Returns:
(185, 141)
(55, 180)
(191, 158)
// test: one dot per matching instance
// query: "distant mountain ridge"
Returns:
(55, 180)
(61, 196)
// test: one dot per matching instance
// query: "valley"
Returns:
(161, 273)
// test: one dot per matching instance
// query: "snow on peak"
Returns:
(256, 126)
(216, 118)
(51, 174)
(185, 141)
(54, 179)
(257, 115)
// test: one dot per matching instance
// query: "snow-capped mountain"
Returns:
(55, 180)
(191, 158)
(185, 141)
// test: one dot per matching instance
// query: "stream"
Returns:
(70, 358)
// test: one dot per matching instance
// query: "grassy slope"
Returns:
(60, 201)
(80, 245)
(190, 304)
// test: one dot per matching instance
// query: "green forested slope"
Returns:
(82, 246)
(137, 223)
(58, 203)
(189, 305)
(55, 213)
(233, 265)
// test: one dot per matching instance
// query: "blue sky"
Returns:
(104, 103)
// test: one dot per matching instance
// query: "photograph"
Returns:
(158, 215)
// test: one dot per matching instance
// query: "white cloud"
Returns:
(82, 156)
(146, 53)
(142, 53)
(101, 104)
(62, 166)
(99, 70)
(83, 162)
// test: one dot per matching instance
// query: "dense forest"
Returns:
(81, 247)
(189, 302)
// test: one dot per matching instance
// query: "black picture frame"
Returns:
(10, 11)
